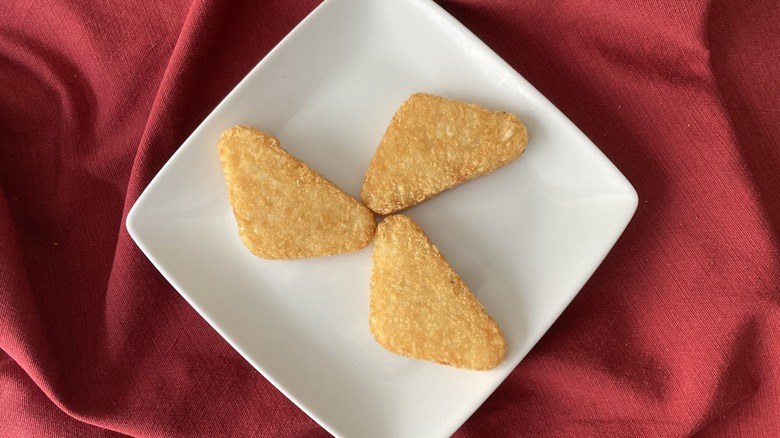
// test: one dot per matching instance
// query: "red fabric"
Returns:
(677, 333)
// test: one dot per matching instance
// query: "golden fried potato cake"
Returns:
(421, 308)
(433, 144)
(284, 209)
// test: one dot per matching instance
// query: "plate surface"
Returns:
(525, 238)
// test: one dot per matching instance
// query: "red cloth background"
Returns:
(676, 334)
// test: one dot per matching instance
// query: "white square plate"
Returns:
(524, 238)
